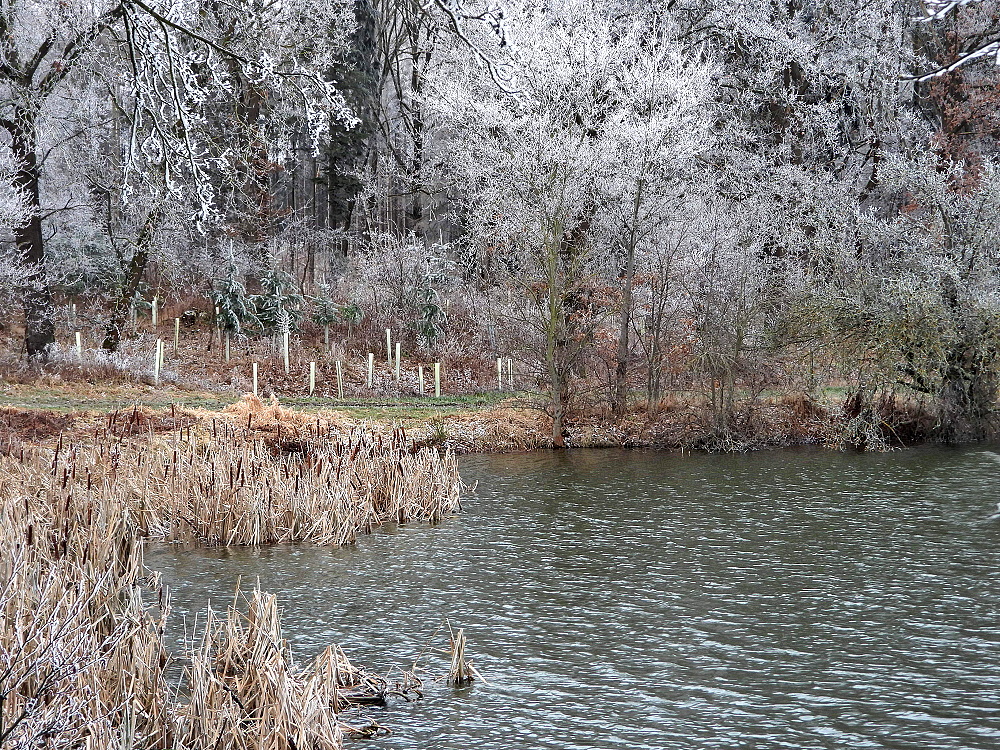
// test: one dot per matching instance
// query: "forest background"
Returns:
(638, 205)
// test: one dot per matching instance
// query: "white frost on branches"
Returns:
(170, 68)
(594, 106)
(14, 209)
(938, 10)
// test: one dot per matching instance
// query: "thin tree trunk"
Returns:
(620, 403)
(555, 348)
(654, 375)
(558, 417)
(133, 277)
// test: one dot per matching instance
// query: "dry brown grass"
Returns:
(141, 420)
(18, 425)
(500, 430)
(33, 424)
(82, 660)
(266, 416)
(80, 652)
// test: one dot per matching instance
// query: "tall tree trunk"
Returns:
(421, 60)
(620, 404)
(555, 344)
(563, 342)
(39, 326)
(133, 277)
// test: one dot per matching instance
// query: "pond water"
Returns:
(612, 599)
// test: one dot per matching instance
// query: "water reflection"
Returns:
(799, 599)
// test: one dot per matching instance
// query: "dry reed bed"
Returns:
(247, 694)
(230, 488)
(81, 655)
(82, 660)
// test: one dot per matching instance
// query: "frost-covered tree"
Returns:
(278, 308)
(939, 269)
(661, 125)
(161, 68)
(14, 212)
(235, 310)
(14, 208)
(595, 113)
(971, 27)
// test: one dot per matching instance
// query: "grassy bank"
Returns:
(485, 422)
(204, 382)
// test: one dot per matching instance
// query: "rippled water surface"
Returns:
(794, 599)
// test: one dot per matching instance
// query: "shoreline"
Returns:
(474, 423)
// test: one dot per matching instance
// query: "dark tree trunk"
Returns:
(619, 404)
(39, 328)
(565, 340)
(420, 63)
